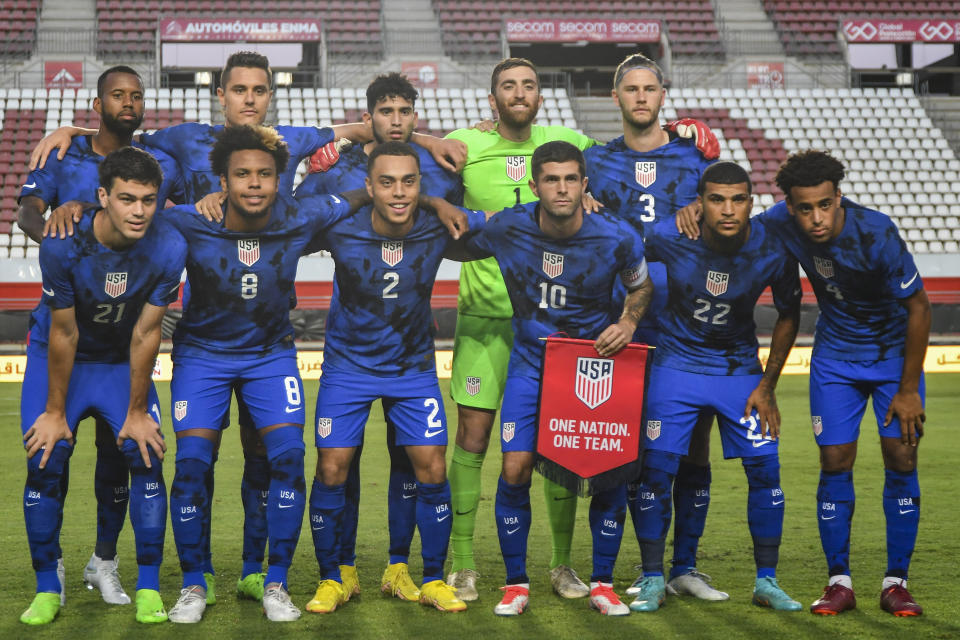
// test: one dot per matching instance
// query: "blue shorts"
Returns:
(412, 403)
(96, 389)
(518, 415)
(839, 392)
(675, 399)
(270, 387)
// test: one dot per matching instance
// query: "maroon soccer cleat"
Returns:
(898, 601)
(836, 599)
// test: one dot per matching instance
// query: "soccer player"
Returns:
(594, 249)
(707, 361)
(645, 175)
(73, 181)
(391, 101)
(236, 334)
(93, 342)
(379, 345)
(871, 339)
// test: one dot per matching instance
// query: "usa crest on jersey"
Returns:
(824, 266)
(594, 381)
(552, 264)
(817, 425)
(324, 427)
(717, 282)
(645, 173)
(116, 284)
(180, 409)
(509, 430)
(653, 429)
(248, 251)
(473, 385)
(392, 252)
(516, 167)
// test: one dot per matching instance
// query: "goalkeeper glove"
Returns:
(704, 138)
(327, 155)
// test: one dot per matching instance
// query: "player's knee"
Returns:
(195, 448)
(136, 464)
(517, 467)
(664, 461)
(56, 463)
(763, 471)
(433, 469)
(256, 471)
(838, 457)
(284, 438)
(898, 456)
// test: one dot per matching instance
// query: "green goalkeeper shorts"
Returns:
(481, 351)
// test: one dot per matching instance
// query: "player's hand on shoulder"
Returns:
(688, 220)
(614, 338)
(705, 139)
(61, 139)
(328, 155)
(210, 206)
(450, 154)
(763, 400)
(907, 406)
(61, 220)
(451, 216)
(140, 427)
(485, 126)
(47, 430)
(589, 203)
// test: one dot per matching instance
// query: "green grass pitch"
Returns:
(725, 551)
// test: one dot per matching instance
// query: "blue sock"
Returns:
(901, 506)
(632, 489)
(435, 519)
(654, 509)
(111, 480)
(43, 512)
(287, 500)
(691, 500)
(326, 509)
(148, 515)
(207, 525)
(402, 504)
(254, 492)
(608, 510)
(835, 504)
(512, 509)
(764, 511)
(351, 512)
(190, 505)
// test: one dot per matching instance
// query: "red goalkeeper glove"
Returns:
(706, 141)
(327, 155)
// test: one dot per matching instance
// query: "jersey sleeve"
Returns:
(57, 286)
(313, 185)
(483, 241)
(42, 183)
(303, 142)
(901, 276)
(785, 287)
(653, 247)
(174, 261)
(633, 271)
(166, 139)
(324, 211)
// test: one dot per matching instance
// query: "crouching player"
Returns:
(93, 342)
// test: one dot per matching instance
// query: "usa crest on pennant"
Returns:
(594, 381)
(324, 427)
(824, 266)
(516, 167)
(180, 409)
(473, 385)
(552, 264)
(248, 251)
(653, 429)
(509, 429)
(717, 282)
(392, 252)
(646, 173)
(116, 284)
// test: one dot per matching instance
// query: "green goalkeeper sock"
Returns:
(465, 497)
(562, 513)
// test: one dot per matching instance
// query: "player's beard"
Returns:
(517, 122)
(640, 125)
(120, 127)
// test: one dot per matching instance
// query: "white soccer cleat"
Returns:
(514, 601)
(277, 604)
(695, 584)
(62, 577)
(190, 606)
(103, 575)
(566, 584)
(465, 582)
(605, 600)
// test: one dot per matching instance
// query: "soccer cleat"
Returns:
(634, 587)
(836, 599)
(350, 580)
(251, 587)
(694, 583)
(211, 588)
(650, 595)
(277, 604)
(514, 601)
(62, 576)
(465, 582)
(42, 610)
(566, 584)
(896, 600)
(396, 582)
(190, 606)
(328, 597)
(439, 594)
(150, 606)
(767, 593)
(605, 600)
(103, 575)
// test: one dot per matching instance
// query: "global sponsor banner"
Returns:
(423, 75)
(62, 74)
(533, 30)
(934, 30)
(765, 74)
(240, 29)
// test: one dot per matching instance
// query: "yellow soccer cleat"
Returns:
(42, 610)
(439, 594)
(328, 597)
(396, 582)
(350, 580)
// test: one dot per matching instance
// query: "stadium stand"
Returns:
(128, 27)
(18, 28)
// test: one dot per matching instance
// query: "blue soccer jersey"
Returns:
(380, 321)
(107, 288)
(190, 144)
(860, 277)
(559, 284)
(707, 326)
(242, 284)
(75, 177)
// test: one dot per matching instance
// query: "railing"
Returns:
(67, 41)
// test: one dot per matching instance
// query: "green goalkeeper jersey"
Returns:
(495, 177)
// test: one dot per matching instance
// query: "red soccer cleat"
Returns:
(836, 599)
(898, 601)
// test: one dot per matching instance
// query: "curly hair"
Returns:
(390, 85)
(808, 169)
(243, 137)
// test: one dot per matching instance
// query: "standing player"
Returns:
(391, 113)
(93, 342)
(74, 180)
(644, 175)
(871, 339)
(379, 345)
(707, 362)
(593, 250)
